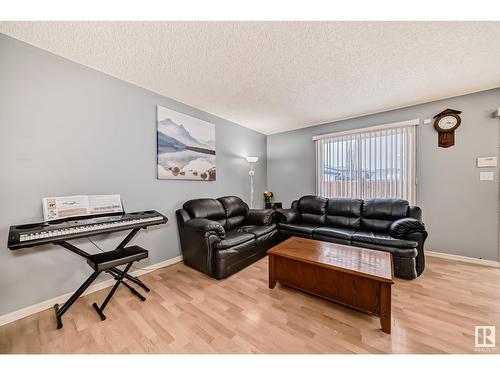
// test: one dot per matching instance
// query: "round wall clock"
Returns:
(445, 123)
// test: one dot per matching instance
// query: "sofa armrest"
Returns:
(197, 238)
(205, 226)
(288, 215)
(259, 217)
(402, 227)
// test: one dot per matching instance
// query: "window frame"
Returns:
(412, 151)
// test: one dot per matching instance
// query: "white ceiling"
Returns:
(278, 76)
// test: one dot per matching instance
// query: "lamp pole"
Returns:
(252, 160)
(251, 173)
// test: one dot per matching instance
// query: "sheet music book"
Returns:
(80, 205)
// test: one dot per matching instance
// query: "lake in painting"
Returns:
(186, 147)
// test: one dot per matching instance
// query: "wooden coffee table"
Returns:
(352, 276)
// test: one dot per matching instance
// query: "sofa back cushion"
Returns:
(206, 208)
(236, 211)
(312, 209)
(378, 214)
(344, 212)
(415, 213)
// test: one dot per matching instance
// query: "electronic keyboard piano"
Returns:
(28, 235)
(58, 232)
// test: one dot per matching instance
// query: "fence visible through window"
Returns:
(367, 164)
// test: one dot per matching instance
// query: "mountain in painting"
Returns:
(181, 134)
(181, 154)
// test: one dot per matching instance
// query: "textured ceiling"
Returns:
(278, 76)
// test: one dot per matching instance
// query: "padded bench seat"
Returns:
(110, 259)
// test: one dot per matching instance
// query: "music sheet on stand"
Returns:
(80, 205)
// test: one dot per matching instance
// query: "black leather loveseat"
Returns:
(221, 236)
(382, 224)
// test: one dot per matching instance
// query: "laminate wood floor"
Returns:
(187, 312)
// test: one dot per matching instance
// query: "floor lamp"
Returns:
(252, 160)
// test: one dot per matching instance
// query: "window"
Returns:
(376, 162)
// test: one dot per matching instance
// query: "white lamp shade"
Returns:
(252, 159)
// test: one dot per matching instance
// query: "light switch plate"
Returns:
(489, 161)
(486, 176)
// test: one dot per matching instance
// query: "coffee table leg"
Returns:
(272, 281)
(385, 307)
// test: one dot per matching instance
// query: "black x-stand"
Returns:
(119, 256)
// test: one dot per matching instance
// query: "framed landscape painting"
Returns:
(185, 147)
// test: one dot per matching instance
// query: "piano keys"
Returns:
(60, 231)
(28, 235)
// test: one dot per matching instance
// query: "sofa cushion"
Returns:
(378, 214)
(260, 216)
(415, 213)
(268, 240)
(257, 230)
(312, 209)
(289, 215)
(299, 228)
(236, 211)
(230, 260)
(382, 239)
(206, 208)
(396, 251)
(331, 239)
(344, 212)
(344, 233)
(234, 238)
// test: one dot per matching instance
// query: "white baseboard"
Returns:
(483, 262)
(26, 311)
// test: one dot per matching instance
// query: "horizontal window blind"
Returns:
(378, 163)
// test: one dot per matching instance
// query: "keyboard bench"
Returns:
(110, 259)
(107, 262)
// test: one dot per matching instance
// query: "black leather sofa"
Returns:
(221, 236)
(382, 224)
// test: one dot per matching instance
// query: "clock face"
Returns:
(447, 122)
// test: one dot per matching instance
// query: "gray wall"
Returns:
(460, 212)
(66, 129)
